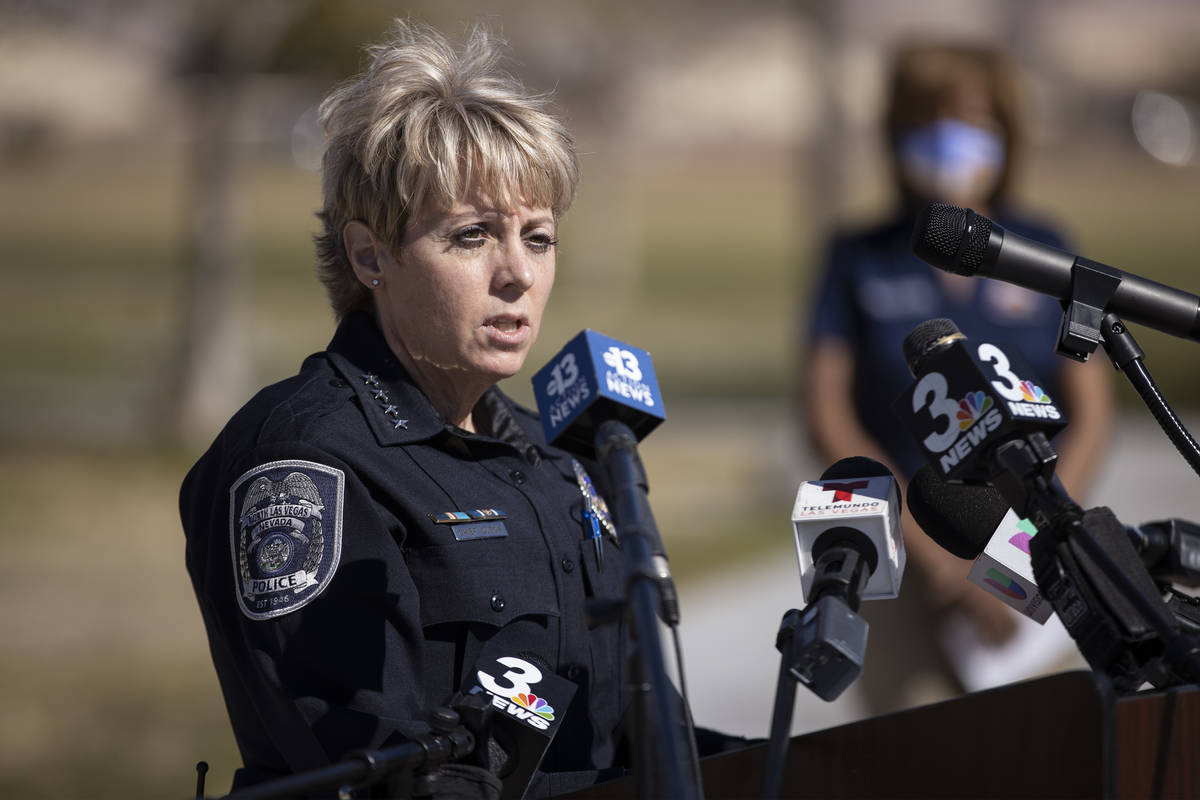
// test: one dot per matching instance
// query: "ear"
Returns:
(366, 252)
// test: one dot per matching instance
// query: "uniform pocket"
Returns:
(491, 582)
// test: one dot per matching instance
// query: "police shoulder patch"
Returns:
(285, 533)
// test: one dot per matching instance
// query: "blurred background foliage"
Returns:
(156, 171)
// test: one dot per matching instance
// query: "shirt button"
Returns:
(337, 383)
(568, 565)
(517, 476)
(497, 603)
(573, 672)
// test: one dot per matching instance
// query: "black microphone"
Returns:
(962, 519)
(599, 397)
(1170, 549)
(976, 523)
(960, 241)
(968, 399)
(849, 546)
(847, 525)
(528, 704)
(1083, 561)
(1109, 630)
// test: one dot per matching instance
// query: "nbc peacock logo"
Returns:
(1032, 393)
(971, 408)
(535, 704)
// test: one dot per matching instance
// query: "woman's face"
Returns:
(464, 295)
(959, 156)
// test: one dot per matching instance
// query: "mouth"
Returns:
(508, 326)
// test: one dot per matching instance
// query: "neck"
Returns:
(453, 393)
(456, 405)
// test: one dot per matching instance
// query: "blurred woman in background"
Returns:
(954, 135)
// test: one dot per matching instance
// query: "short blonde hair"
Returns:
(426, 124)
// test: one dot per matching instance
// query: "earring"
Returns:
(374, 281)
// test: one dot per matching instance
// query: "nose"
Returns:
(514, 270)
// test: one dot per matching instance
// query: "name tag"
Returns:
(476, 523)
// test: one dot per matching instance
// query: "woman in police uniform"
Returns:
(358, 533)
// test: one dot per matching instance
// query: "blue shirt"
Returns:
(874, 291)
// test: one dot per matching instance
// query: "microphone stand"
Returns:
(822, 647)
(649, 590)
(1086, 324)
(449, 740)
(785, 704)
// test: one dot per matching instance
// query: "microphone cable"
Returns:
(689, 723)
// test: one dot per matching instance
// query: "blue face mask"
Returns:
(951, 158)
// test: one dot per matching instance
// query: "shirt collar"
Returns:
(395, 408)
(504, 424)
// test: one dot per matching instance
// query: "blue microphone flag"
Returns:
(592, 379)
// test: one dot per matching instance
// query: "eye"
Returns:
(540, 242)
(469, 237)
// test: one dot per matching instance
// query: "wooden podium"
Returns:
(1065, 736)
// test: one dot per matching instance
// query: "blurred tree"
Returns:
(326, 40)
(225, 44)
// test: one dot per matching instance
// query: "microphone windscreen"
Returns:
(960, 518)
(857, 467)
(951, 238)
(922, 339)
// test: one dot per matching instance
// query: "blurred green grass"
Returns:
(92, 281)
(107, 686)
(108, 690)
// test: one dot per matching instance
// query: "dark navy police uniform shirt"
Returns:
(340, 611)
(874, 291)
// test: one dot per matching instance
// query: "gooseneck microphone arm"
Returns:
(648, 589)
(1125, 354)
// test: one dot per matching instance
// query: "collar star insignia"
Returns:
(385, 404)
